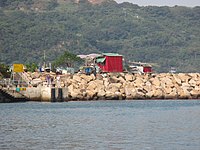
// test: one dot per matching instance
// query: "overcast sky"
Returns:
(189, 3)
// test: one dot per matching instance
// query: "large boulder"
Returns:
(74, 93)
(184, 77)
(172, 95)
(148, 86)
(149, 94)
(92, 85)
(140, 93)
(183, 94)
(130, 92)
(194, 76)
(158, 93)
(155, 81)
(77, 78)
(113, 79)
(177, 79)
(192, 82)
(70, 88)
(36, 81)
(129, 77)
(195, 93)
(115, 85)
(90, 94)
(101, 93)
(121, 80)
(186, 86)
(82, 85)
(167, 81)
(112, 89)
(87, 78)
(106, 82)
(118, 95)
(168, 90)
(139, 82)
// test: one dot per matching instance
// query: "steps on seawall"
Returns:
(8, 95)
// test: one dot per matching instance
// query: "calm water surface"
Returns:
(102, 125)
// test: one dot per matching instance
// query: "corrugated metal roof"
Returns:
(89, 56)
(111, 54)
(100, 60)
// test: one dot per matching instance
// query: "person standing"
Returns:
(48, 79)
(58, 80)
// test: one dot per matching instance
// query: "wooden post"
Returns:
(53, 95)
(60, 95)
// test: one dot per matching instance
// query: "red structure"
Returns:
(147, 69)
(110, 62)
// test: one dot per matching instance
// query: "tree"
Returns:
(4, 71)
(31, 67)
(67, 59)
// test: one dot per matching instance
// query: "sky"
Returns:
(188, 3)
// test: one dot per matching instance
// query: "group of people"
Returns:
(50, 80)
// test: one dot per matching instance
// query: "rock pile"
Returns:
(127, 86)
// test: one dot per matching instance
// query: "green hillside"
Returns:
(166, 36)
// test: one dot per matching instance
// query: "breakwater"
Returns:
(125, 86)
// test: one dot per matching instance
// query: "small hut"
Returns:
(110, 62)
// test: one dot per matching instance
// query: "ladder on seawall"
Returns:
(11, 95)
(8, 91)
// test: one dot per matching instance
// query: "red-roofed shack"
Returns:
(110, 62)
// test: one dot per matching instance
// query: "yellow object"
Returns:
(18, 67)
(22, 89)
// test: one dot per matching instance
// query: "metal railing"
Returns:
(24, 77)
(8, 82)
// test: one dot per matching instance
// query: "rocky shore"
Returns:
(125, 86)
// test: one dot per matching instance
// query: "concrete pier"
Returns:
(10, 95)
(46, 94)
(40, 94)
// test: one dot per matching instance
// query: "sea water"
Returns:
(101, 125)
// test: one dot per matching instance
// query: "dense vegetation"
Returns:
(167, 36)
(67, 60)
(4, 71)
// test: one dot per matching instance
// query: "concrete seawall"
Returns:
(40, 94)
(46, 94)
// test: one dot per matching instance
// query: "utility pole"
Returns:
(44, 59)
